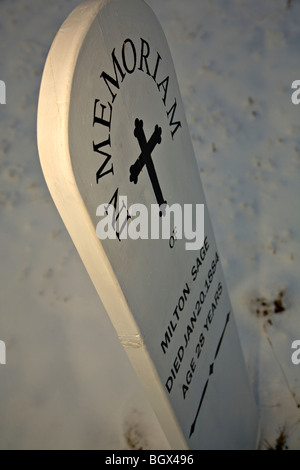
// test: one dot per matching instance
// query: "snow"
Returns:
(67, 383)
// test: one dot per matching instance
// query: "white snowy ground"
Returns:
(67, 382)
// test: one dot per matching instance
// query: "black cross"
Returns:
(146, 159)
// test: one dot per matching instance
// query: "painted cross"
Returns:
(146, 159)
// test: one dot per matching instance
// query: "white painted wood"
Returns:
(109, 66)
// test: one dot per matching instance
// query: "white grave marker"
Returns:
(112, 128)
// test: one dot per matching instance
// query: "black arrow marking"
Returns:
(198, 411)
(211, 371)
(222, 336)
